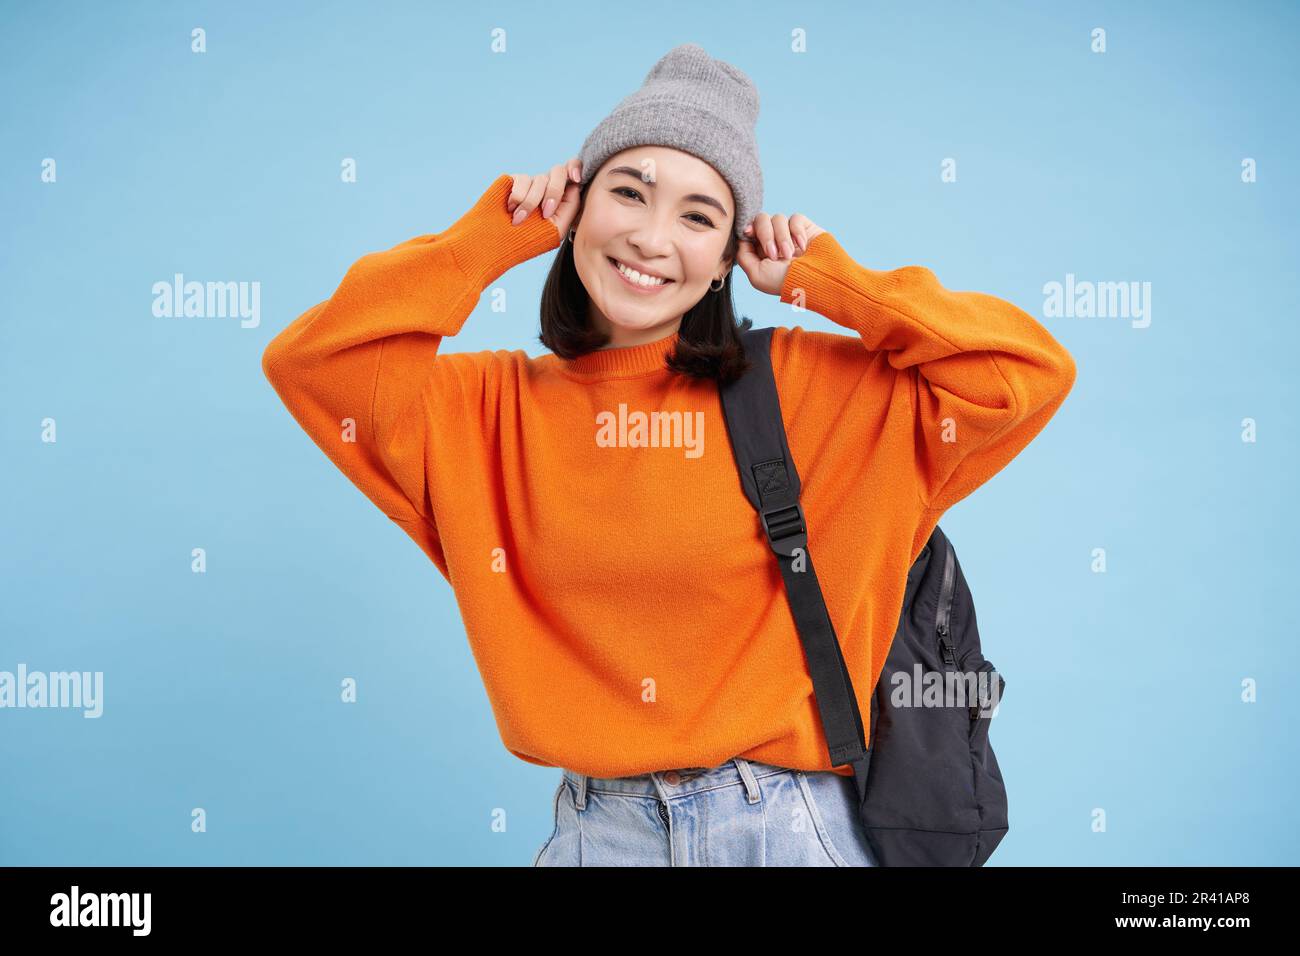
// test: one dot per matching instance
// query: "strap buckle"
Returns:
(786, 528)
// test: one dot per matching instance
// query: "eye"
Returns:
(631, 193)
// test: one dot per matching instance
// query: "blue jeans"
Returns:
(742, 813)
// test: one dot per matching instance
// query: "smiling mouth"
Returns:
(649, 286)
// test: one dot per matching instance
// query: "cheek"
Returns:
(700, 264)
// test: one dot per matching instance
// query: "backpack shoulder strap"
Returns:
(770, 480)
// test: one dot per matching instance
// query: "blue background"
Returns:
(222, 689)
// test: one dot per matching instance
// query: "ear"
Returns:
(727, 261)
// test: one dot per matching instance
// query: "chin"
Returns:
(636, 323)
(639, 324)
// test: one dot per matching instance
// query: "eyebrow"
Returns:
(693, 197)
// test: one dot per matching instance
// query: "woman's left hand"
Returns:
(770, 244)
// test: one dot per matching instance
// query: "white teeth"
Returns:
(638, 277)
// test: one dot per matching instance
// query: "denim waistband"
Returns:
(666, 784)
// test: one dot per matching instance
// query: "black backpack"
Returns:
(929, 788)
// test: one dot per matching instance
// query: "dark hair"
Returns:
(708, 344)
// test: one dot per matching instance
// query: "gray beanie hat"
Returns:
(697, 104)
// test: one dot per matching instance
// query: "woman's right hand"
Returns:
(556, 192)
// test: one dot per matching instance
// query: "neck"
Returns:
(621, 337)
(620, 362)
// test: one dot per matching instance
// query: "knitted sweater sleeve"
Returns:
(981, 376)
(360, 371)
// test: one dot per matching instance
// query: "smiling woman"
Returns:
(619, 596)
(648, 253)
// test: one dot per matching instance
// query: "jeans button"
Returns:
(672, 778)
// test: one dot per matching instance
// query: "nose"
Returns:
(653, 238)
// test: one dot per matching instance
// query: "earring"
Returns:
(720, 284)
(570, 235)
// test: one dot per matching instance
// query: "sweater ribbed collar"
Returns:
(628, 360)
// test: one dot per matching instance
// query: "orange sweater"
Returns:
(620, 600)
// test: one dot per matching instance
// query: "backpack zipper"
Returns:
(982, 702)
(946, 648)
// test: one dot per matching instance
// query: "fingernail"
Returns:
(518, 216)
(803, 246)
(548, 207)
(574, 175)
(771, 249)
(749, 228)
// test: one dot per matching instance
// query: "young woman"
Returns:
(623, 605)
